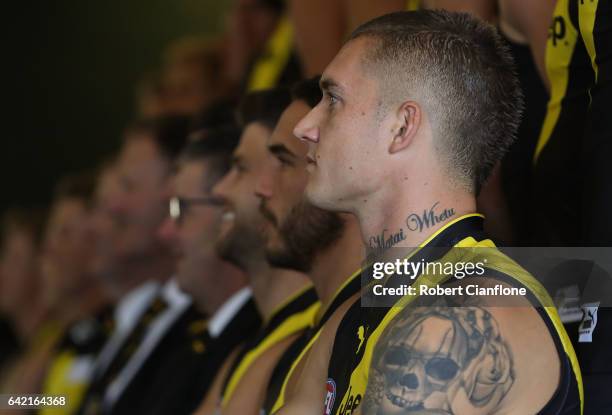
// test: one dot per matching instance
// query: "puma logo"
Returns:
(361, 336)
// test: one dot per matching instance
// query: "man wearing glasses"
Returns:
(183, 366)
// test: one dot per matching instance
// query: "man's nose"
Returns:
(219, 188)
(263, 185)
(168, 230)
(307, 129)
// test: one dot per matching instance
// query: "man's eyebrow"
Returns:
(280, 149)
(328, 83)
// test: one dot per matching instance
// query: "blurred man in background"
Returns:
(70, 368)
(260, 49)
(180, 368)
(20, 299)
(70, 294)
(190, 78)
(138, 207)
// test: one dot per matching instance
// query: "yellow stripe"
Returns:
(284, 304)
(293, 324)
(559, 54)
(587, 12)
(413, 5)
(270, 65)
(280, 401)
(59, 382)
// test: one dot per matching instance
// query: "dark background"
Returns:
(71, 67)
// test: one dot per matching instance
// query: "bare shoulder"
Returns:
(306, 384)
(250, 391)
(463, 358)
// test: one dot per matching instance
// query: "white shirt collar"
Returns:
(173, 294)
(132, 304)
(227, 311)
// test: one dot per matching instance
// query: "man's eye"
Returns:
(332, 99)
(284, 162)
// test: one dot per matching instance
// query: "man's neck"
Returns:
(407, 219)
(89, 299)
(332, 267)
(273, 286)
(134, 273)
(229, 279)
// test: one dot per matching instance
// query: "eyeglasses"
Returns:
(178, 206)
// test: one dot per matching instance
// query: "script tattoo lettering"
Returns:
(383, 241)
(428, 218)
(442, 360)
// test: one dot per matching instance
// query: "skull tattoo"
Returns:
(441, 360)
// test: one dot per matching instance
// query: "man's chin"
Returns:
(317, 196)
(280, 257)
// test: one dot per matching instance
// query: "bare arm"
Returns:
(306, 389)
(527, 22)
(319, 32)
(249, 395)
(461, 360)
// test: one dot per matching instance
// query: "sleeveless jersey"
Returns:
(361, 328)
(275, 394)
(292, 317)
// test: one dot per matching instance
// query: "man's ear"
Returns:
(408, 122)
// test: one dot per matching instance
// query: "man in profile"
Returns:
(284, 297)
(141, 275)
(417, 109)
(303, 237)
(182, 367)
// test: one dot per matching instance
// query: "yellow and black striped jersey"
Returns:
(361, 328)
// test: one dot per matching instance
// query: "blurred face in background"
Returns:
(242, 221)
(296, 229)
(67, 249)
(250, 24)
(255, 20)
(104, 229)
(186, 88)
(139, 205)
(193, 230)
(18, 270)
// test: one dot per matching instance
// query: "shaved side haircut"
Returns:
(458, 70)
